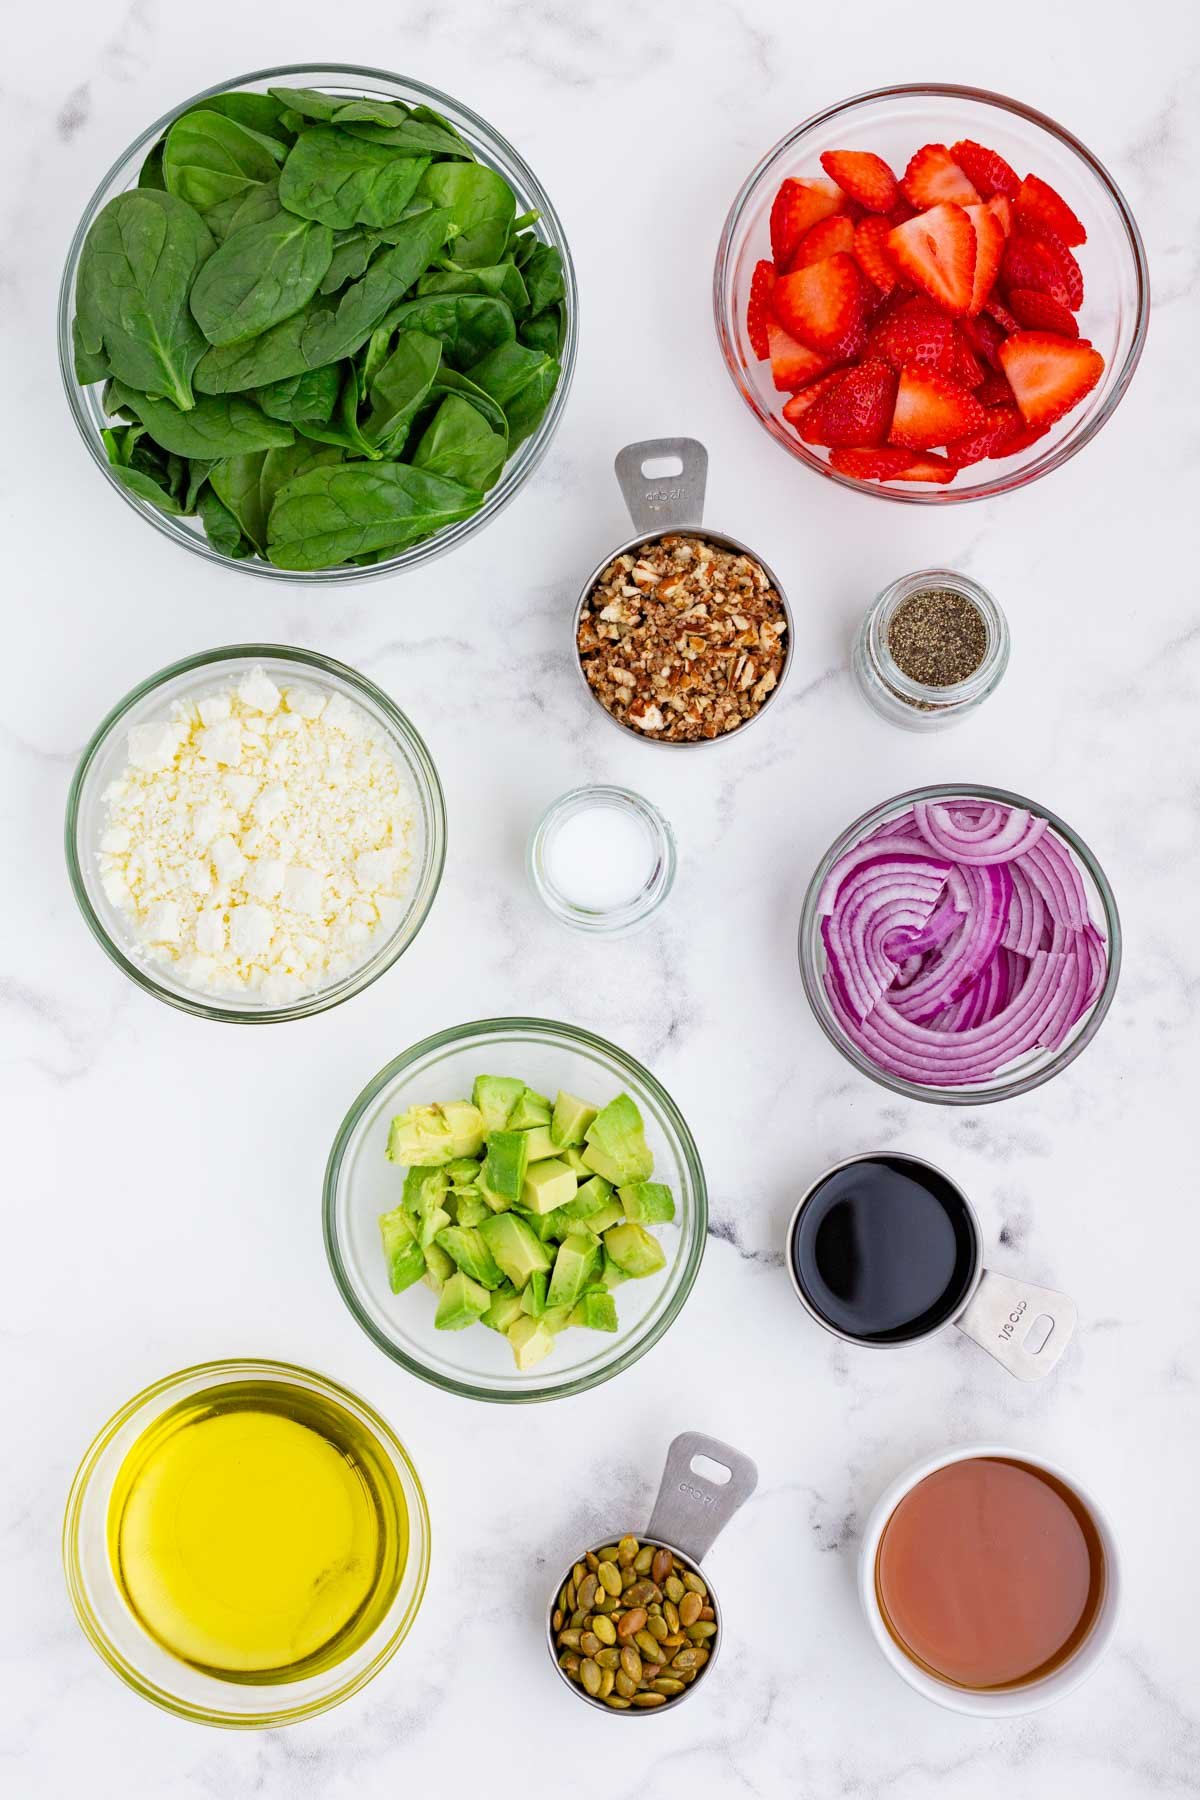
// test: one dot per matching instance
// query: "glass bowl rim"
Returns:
(503, 491)
(224, 1370)
(1057, 455)
(1000, 1089)
(359, 979)
(639, 1343)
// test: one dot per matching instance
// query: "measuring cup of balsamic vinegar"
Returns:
(689, 1514)
(885, 1250)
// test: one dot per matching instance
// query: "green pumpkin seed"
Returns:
(671, 1615)
(631, 1621)
(660, 1566)
(589, 1643)
(646, 1644)
(587, 1591)
(631, 1662)
(674, 1589)
(556, 1619)
(694, 1583)
(649, 1700)
(607, 1678)
(626, 1686)
(657, 1627)
(689, 1609)
(633, 1625)
(608, 1554)
(608, 1658)
(627, 1549)
(666, 1684)
(699, 1632)
(686, 1659)
(610, 1577)
(644, 1559)
(569, 1640)
(604, 1628)
(591, 1674)
(617, 1702)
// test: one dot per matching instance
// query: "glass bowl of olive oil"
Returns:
(246, 1543)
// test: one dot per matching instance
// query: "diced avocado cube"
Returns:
(540, 1143)
(634, 1249)
(597, 1310)
(495, 1096)
(434, 1221)
(470, 1207)
(463, 1171)
(611, 1213)
(516, 1249)
(505, 1164)
(547, 1185)
(533, 1300)
(471, 1253)
(616, 1144)
(590, 1197)
(551, 1226)
(401, 1249)
(423, 1190)
(438, 1267)
(462, 1302)
(530, 1340)
(435, 1135)
(578, 1258)
(572, 1117)
(530, 1109)
(648, 1203)
(574, 1160)
(612, 1274)
(556, 1318)
(505, 1308)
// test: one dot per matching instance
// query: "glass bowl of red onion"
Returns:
(960, 944)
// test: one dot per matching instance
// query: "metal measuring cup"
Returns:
(675, 503)
(689, 1514)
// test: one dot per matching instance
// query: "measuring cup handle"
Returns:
(1005, 1317)
(672, 501)
(691, 1511)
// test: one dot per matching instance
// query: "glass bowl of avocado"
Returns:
(514, 1210)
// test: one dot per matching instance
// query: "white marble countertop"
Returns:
(163, 1176)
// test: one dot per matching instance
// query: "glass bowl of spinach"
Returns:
(318, 323)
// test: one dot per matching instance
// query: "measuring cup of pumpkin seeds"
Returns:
(682, 635)
(633, 1627)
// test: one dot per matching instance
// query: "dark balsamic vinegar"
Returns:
(885, 1250)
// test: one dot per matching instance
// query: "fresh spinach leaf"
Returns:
(399, 388)
(340, 181)
(236, 481)
(87, 343)
(452, 381)
(522, 381)
(460, 443)
(310, 103)
(543, 332)
(307, 399)
(261, 274)
(501, 280)
(148, 478)
(343, 429)
(543, 276)
(150, 175)
(138, 264)
(330, 514)
(322, 333)
(482, 207)
(469, 325)
(350, 259)
(261, 112)
(217, 425)
(197, 474)
(211, 161)
(221, 528)
(279, 466)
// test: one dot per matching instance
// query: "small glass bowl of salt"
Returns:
(602, 860)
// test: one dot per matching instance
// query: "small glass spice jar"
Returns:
(930, 650)
(602, 860)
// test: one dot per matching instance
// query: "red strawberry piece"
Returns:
(1049, 374)
(983, 337)
(1022, 441)
(994, 390)
(797, 207)
(913, 334)
(902, 212)
(821, 304)
(856, 412)
(795, 408)
(999, 313)
(793, 365)
(933, 177)
(985, 168)
(824, 239)
(1002, 424)
(936, 250)
(1047, 267)
(989, 248)
(758, 309)
(1042, 312)
(890, 465)
(864, 176)
(932, 410)
(849, 349)
(872, 254)
(963, 365)
(1038, 205)
(1001, 208)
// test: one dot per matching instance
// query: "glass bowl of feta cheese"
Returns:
(255, 834)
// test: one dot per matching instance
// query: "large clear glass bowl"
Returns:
(105, 757)
(894, 122)
(1036, 1066)
(360, 1184)
(129, 1650)
(490, 148)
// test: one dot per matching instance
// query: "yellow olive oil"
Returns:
(258, 1532)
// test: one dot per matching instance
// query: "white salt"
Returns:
(600, 857)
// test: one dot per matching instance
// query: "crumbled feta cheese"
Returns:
(220, 743)
(154, 746)
(258, 693)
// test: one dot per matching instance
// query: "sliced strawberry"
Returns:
(989, 248)
(986, 168)
(1042, 312)
(902, 212)
(890, 465)
(795, 408)
(855, 412)
(994, 390)
(1001, 424)
(1048, 374)
(1002, 208)
(936, 250)
(983, 337)
(933, 176)
(793, 365)
(1038, 206)
(849, 349)
(796, 209)
(872, 254)
(864, 176)
(932, 410)
(999, 313)
(821, 304)
(1045, 265)
(913, 333)
(823, 239)
(1022, 441)
(963, 365)
(758, 309)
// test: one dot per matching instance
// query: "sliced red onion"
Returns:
(1026, 920)
(961, 958)
(990, 834)
(884, 893)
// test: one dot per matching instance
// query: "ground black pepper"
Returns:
(937, 637)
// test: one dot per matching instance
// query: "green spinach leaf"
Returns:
(340, 181)
(501, 280)
(221, 528)
(460, 443)
(261, 274)
(236, 481)
(469, 325)
(279, 466)
(218, 425)
(543, 275)
(544, 331)
(307, 399)
(211, 161)
(399, 388)
(522, 381)
(482, 207)
(330, 514)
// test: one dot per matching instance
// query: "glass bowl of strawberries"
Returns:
(931, 293)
